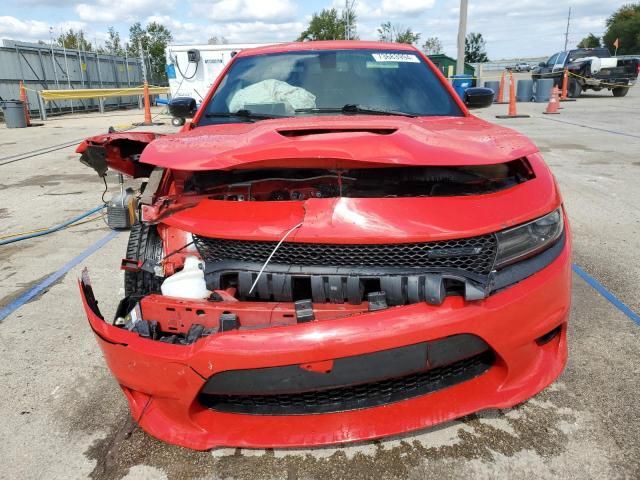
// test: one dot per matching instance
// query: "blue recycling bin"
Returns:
(461, 83)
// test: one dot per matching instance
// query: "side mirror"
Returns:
(182, 107)
(542, 64)
(478, 97)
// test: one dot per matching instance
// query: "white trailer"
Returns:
(192, 69)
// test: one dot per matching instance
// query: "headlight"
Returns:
(525, 240)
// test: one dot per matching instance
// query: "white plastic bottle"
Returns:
(188, 282)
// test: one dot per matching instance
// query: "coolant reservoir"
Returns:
(187, 283)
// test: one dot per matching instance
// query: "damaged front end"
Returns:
(266, 291)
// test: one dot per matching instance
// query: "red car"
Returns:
(333, 250)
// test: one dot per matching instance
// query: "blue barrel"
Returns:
(461, 83)
(495, 86)
(524, 91)
(542, 90)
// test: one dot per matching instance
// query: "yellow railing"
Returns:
(73, 94)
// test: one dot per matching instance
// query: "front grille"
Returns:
(475, 254)
(353, 397)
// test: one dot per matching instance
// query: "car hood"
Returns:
(343, 141)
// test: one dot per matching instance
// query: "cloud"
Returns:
(34, 30)
(261, 32)
(11, 27)
(116, 11)
(406, 7)
(518, 29)
(234, 32)
(182, 32)
(47, 3)
(276, 11)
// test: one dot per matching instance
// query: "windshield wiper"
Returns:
(247, 114)
(354, 108)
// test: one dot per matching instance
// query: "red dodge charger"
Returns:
(333, 250)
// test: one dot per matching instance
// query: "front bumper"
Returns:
(162, 381)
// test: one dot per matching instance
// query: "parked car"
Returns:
(590, 69)
(334, 250)
(522, 67)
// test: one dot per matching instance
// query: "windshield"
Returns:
(591, 52)
(328, 82)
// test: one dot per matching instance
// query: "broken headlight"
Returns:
(525, 240)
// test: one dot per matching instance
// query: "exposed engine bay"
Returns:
(181, 285)
(194, 285)
(302, 184)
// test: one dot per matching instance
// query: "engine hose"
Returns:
(56, 228)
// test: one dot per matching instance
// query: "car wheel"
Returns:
(144, 244)
(620, 91)
(177, 121)
(574, 88)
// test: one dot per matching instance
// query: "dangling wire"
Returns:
(104, 179)
(272, 253)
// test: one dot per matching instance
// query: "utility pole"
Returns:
(144, 66)
(462, 33)
(53, 59)
(346, 19)
(66, 65)
(566, 33)
(348, 8)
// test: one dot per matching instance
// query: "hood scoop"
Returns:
(305, 132)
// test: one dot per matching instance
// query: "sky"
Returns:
(511, 28)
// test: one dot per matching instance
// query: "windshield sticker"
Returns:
(395, 57)
(382, 65)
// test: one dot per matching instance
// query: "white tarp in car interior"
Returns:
(269, 92)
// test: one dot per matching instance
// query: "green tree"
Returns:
(387, 32)
(590, 41)
(407, 36)
(624, 25)
(137, 37)
(326, 25)
(75, 40)
(475, 48)
(432, 46)
(153, 39)
(113, 44)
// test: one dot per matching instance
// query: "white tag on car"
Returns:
(395, 57)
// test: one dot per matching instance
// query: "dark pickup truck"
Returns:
(592, 68)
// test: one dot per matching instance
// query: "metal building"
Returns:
(43, 66)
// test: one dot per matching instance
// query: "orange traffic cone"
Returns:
(25, 103)
(554, 104)
(500, 97)
(147, 105)
(512, 101)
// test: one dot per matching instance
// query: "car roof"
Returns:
(326, 45)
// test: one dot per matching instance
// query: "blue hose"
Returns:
(52, 229)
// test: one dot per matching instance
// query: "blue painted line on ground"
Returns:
(606, 294)
(592, 128)
(54, 277)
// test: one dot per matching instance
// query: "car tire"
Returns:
(177, 121)
(144, 244)
(574, 88)
(620, 91)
